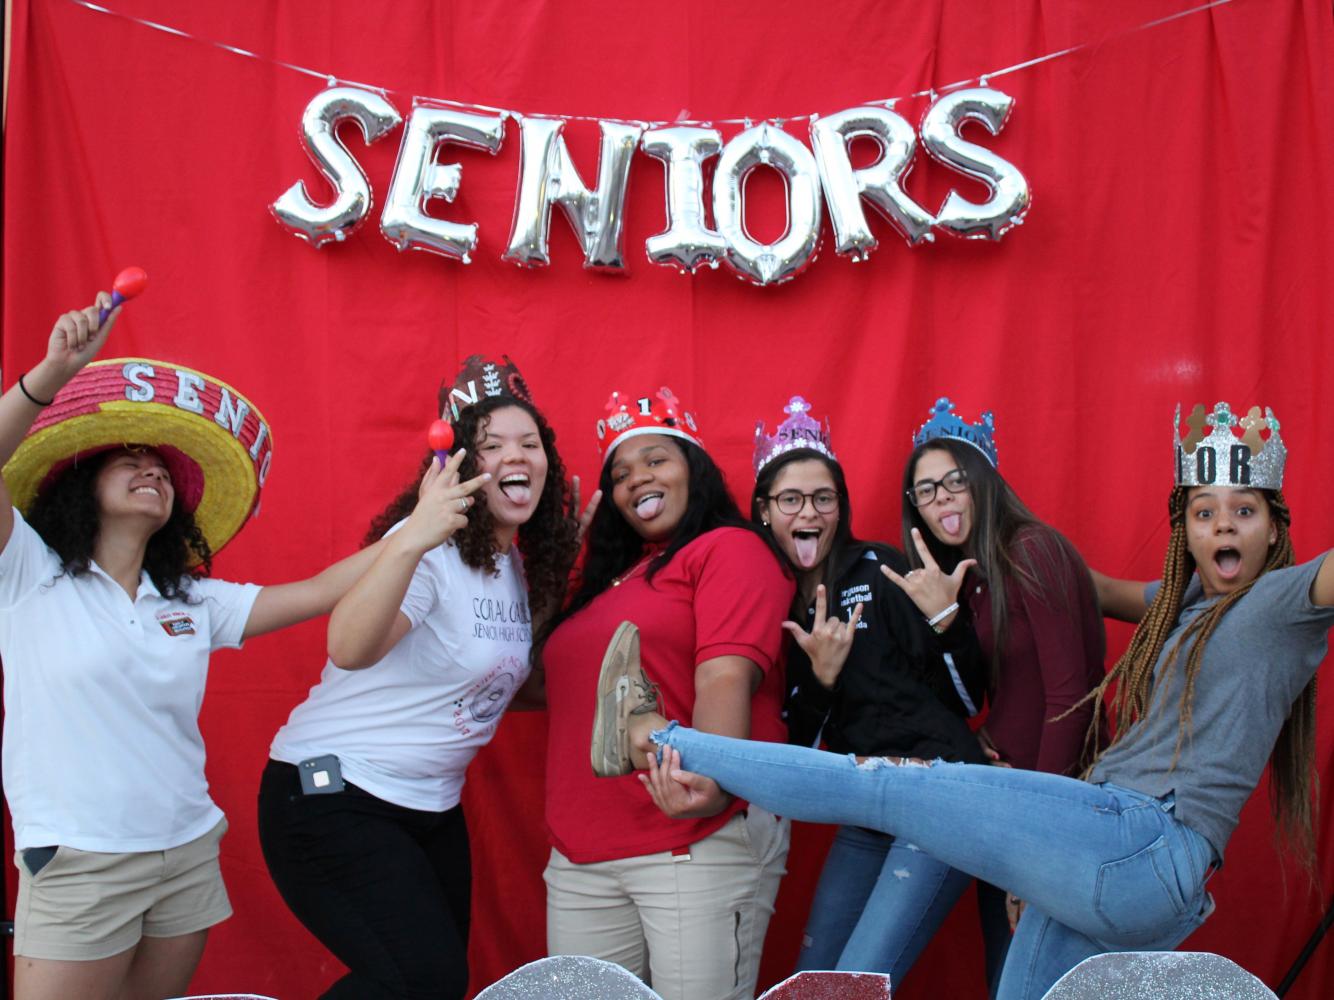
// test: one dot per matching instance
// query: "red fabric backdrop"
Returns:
(1177, 250)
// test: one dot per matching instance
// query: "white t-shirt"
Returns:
(405, 728)
(102, 750)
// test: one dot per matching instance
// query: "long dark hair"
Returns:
(614, 546)
(548, 540)
(845, 547)
(65, 516)
(998, 518)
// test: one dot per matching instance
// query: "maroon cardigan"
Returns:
(1053, 655)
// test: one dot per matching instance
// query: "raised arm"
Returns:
(366, 621)
(1322, 590)
(75, 340)
(1120, 599)
(286, 604)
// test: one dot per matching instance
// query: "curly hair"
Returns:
(548, 541)
(65, 515)
(1291, 761)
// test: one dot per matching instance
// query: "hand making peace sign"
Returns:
(829, 640)
(931, 589)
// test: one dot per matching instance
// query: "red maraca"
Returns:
(440, 437)
(129, 283)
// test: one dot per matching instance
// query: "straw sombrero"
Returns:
(215, 443)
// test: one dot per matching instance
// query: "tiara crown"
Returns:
(944, 424)
(799, 430)
(1221, 457)
(480, 378)
(629, 416)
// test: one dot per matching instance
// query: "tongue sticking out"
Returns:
(807, 546)
(649, 507)
(517, 493)
(1228, 561)
(951, 522)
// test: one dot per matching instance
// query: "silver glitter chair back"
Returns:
(568, 977)
(1158, 975)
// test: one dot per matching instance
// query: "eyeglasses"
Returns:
(792, 501)
(922, 493)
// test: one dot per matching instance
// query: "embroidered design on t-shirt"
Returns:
(176, 623)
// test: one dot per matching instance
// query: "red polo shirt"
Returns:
(724, 594)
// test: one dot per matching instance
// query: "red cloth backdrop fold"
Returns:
(1177, 250)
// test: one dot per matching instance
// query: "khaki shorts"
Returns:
(86, 905)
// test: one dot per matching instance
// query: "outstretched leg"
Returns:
(1113, 864)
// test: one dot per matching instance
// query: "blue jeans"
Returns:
(1102, 868)
(878, 903)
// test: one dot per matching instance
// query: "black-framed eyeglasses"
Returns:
(792, 501)
(924, 491)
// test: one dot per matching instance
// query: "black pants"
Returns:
(386, 889)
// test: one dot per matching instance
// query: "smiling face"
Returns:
(650, 485)
(806, 536)
(135, 483)
(1228, 531)
(509, 447)
(949, 516)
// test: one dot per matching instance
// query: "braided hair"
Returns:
(1291, 772)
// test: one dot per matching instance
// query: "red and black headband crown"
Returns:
(480, 379)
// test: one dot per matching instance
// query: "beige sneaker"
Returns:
(624, 690)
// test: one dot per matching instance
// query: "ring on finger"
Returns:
(463, 504)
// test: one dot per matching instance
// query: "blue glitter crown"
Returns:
(944, 424)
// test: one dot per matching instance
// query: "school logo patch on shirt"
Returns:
(176, 623)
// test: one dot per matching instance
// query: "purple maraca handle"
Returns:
(116, 299)
(442, 457)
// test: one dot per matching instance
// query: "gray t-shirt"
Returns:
(1261, 655)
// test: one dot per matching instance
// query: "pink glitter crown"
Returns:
(799, 430)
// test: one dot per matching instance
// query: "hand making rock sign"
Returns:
(935, 592)
(829, 640)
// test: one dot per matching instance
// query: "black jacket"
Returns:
(898, 693)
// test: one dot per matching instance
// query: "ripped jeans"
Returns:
(1102, 868)
(879, 902)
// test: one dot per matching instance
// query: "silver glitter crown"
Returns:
(1222, 458)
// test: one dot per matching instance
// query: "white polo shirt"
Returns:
(102, 750)
(406, 727)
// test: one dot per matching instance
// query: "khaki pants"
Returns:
(86, 905)
(691, 926)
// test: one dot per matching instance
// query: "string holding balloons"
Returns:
(816, 178)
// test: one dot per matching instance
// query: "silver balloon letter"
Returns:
(687, 242)
(1009, 190)
(880, 183)
(768, 263)
(418, 177)
(294, 210)
(547, 174)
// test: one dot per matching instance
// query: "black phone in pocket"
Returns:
(37, 858)
(321, 775)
